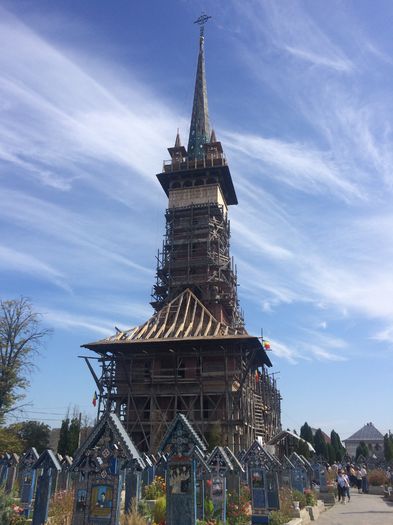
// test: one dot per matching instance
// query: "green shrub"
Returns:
(276, 517)
(159, 511)
(300, 497)
(311, 498)
(156, 489)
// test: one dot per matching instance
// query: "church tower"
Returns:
(199, 187)
(194, 355)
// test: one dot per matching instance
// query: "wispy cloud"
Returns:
(298, 165)
(75, 119)
(16, 261)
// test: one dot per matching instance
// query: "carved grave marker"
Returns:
(185, 449)
(101, 463)
(49, 465)
(27, 477)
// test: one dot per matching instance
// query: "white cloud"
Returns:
(298, 165)
(16, 261)
(76, 122)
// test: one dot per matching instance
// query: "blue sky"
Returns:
(301, 96)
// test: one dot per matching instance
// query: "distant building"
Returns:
(324, 435)
(368, 435)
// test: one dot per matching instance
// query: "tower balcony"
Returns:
(185, 164)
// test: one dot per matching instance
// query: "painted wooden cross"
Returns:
(185, 450)
(27, 478)
(49, 466)
(263, 469)
(101, 464)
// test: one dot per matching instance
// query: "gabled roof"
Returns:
(366, 433)
(236, 463)
(185, 317)
(47, 459)
(113, 422)
(28, 458)
(287, 463)
(286, 433)
(220, 455)
(296, 460)
(181, 423)
(256, 453)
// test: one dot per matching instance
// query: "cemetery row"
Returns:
(107, 475)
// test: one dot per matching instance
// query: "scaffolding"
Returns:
(195, 254)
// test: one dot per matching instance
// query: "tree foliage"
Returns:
(21, 337)
(331, 454)
(362, 450)
(320, 444)
(339, 450)
(32, 434)
(306, 433)
(69, 436)
(388, 447)
(10, 442)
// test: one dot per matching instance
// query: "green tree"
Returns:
(62, 447)
(338, 447)
(320, 444)
(21, 337)
(32, 434)
(71, 431)
(388, 447)
(73, 436)
(10, 442)
(362, 450)
(331, 453)
(306, 433)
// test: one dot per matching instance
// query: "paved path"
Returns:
(363, 509)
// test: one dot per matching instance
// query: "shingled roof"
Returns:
(185, 317)
(366, 433)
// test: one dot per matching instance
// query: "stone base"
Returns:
(315, 511)
(303, 514)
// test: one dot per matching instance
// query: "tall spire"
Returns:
(200, 128)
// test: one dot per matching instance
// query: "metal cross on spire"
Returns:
(202, 21)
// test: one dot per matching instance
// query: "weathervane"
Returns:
(202, 21)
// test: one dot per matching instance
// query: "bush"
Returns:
(238, 507)
(277, 518)
(310, 497)
(10, 513)
(300, 497)
(156, 489)
(159, 511)
(377, 477)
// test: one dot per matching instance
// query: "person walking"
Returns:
(363, 472)
(358, 479)
(342, 484)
